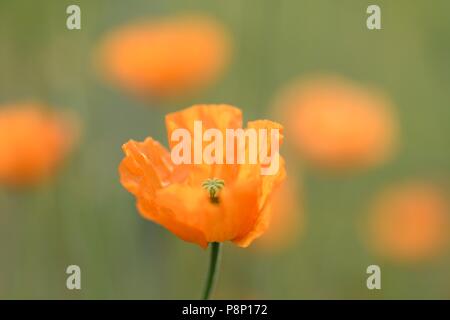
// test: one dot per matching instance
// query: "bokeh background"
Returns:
(83, 215)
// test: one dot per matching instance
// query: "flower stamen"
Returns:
(213, 186)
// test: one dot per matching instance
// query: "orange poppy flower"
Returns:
(410, 222)
(33, 142)
(174, 195)
(336, 124)
(167, 57)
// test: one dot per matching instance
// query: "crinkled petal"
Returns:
(146, 165)
(169, 220)
(220, 116)
(268, 185)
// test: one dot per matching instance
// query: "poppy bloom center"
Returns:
(213, 186)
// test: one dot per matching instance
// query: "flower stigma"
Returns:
(213, 186)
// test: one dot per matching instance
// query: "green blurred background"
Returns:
(85, 217)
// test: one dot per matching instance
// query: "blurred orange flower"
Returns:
(410, 222)
(173, 196)
(166, 57)
(337, 124)
(33, 142)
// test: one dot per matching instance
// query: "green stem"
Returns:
(213, 268)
